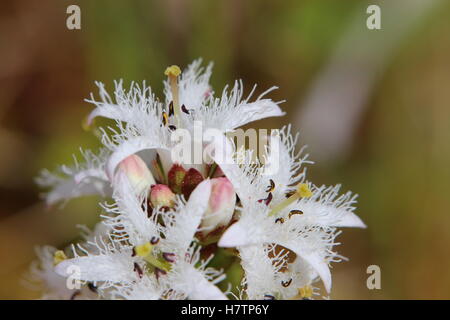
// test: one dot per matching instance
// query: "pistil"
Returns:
(145, 251)
(302, 191)
(172, 73)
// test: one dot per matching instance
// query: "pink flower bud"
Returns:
(162, 196)
(137, 172)
(221, 205)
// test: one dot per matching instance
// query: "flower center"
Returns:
(302, 191)
(145, 251)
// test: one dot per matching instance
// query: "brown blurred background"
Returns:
(374, 106)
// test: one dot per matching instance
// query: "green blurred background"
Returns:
(374, 106)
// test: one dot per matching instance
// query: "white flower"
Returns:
(145, 124)
(162, 217)
(81, 179)
(303, 223)
(42, 273)
(121, 267)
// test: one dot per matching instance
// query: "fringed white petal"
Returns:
(81, 179)
(320, 266)
(260, 272)
(314, 257)
(42, 274)
(302, 273)
(132, 105)
(327, 208)
(129, 216)
(235, 236)
(114, 267)
(146, 288)
(203, 289)
(253, 227)
(70, 189)
(284, 164)
(350, 220)
(261, 109)
(222, 151)
(180, 233)
(232, 110)
(110, 111)
(191, 279)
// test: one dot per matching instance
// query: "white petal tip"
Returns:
(62, 268)
(351, 220)
(234, 236)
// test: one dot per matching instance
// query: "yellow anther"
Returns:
(271, 187)
(279, 220)
(58, 257)
(143, 250)
(294, 212)
(173, 71)
(305, 292)
(304, 191)
(286, 283)
(165, 119)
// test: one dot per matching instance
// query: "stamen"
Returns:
(171, 111)
(294, 212)
(286, 283)
(271, 187)
(138, 269)
(165, 118)
(154, 240)
(172, 73)
(269, 297)
(169, 257)
(183, 108)
(280, 220)
(302, 191)
(267, 200)
(159, 273)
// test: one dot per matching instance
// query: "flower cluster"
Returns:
(163, 219)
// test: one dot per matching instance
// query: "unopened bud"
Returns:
(175, 178)
(137, 172)
(221, 205)
(162, 196)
